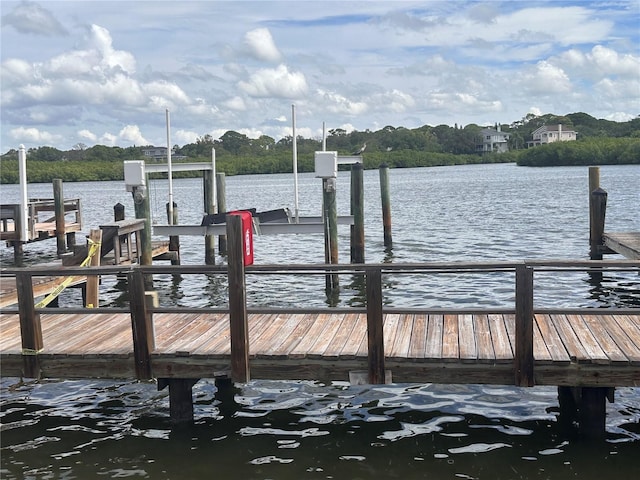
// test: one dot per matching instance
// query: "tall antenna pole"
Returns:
(295, 164)
(169, 169)
(324, 137)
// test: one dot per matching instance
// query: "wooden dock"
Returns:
(626, 244)
(587, 352)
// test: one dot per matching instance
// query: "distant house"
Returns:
(158, 154)
(550, 134)
(493, 140)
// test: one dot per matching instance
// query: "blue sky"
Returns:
(97, 72)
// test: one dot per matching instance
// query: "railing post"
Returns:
(239, 328)
(375, 334)
(30, 327)
(357, 210)
(93, 281)
(141, 324)
(523, 361)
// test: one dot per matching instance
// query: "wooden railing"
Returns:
(141, 309)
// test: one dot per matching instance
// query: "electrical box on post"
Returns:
(326, 164)
(134, 174)
(247, 235)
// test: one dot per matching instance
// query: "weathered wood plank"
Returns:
(309, 339)
(631, 351)
(551, 339)
(500, 338)
(219, 328)
(295, 336)
(541, 353)
(467, 338)
(569, 338)
(278, 329)
(484, 341)
(593, 350)
(344, 332)
(435, 333)
(608, 345)
(390, 330)
(357, 338)
(400, 347)
(418, 342)
(450, 345)
(330, 330)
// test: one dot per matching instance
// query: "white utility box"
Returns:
(134, 174)
(326, 164)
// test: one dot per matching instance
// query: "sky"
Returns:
(105, 72)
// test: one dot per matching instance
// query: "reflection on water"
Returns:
(291, 430)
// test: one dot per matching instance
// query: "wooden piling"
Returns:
(375, 332)
(593, 410)
(221, 197)
(357, 210)
(523, 355)
(386, 205)
(30, 326)
(239, 328)
(141, 324)
(58, 205)
(143, 211)
(180, 398)
(209, 208)
(92, 299)
(597, 213)
(330, 216)
(118, 212)
(174, 240)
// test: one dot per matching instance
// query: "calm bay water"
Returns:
(290, 430)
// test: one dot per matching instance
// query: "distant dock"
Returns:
(602, 242)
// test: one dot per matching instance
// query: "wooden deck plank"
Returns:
(569, 339)
(594, 351)
(357, 338)
(94, 338)
(450, 345)
(201, 331)
(500, 338)
(631, 351)
(10, 339)
(292, 339)
(168, 327)
(345, 331)
(418, 342)
(435, 333)
(484, 340)
(400, 348)
(274, 336)
(390, 329)
(306, 343)
(608, 345)
(552, 339)
(467, 338)
(329, 332)
(541, 353)
(219, 327)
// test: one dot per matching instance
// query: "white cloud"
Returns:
(132, 134)
(236, 103)
(108, 139)
(88, 135)
(336, 103)
(261, 46)
(34, 136)
(31, 18)
(182, 137)
(276, 82)
(545, 79)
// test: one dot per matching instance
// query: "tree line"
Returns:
(599, 142)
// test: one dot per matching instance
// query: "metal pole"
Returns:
(169, 168)
(295, 164)
(213, 176)
(24, 201)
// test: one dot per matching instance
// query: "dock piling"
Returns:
(208, 182)
(357, 210)
(174, 240)
(180, 398)
(375, 332)
(523, 354)
(142, 325)
(239, 327)
(330, 220)
(58, 201)
(386, 205)
(30, 326)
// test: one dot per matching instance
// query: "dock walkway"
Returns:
(568, 349)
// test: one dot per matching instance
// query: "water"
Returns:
(286, 430)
